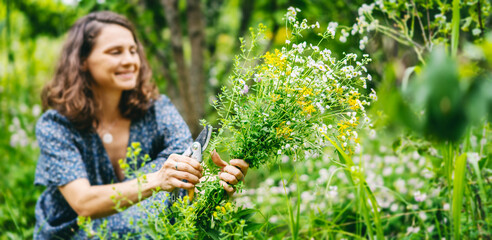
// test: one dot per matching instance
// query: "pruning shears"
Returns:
(195, 151)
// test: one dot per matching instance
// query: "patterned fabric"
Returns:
(68, 154)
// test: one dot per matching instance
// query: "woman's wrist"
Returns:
(153, 182)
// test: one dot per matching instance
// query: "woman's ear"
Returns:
(83, 66)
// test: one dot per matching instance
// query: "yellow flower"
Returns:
(309, 109)
(283, 131)
(353, 103)
(275, 97)
(135, 144)
(306, 91)
(275, 59)
(228, 206)
(215, 215)
(342, 127)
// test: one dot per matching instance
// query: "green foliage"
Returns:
(409, 177)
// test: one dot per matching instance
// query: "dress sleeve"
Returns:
(175, 134)
(60, 161)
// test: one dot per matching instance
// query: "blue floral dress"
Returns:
(68, 154)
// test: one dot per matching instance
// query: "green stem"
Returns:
(455, 28)
(292, 222)
(349, 163)
(458, 187)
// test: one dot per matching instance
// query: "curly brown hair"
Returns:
(70, 91)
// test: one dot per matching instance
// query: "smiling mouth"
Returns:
(125, 75)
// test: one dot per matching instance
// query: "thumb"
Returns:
(217, 160)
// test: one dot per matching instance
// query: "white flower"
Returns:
(440, 18)
(412, 229)
(304, 24)
(473, 157)
(332, 28)
(373, 95)
(279, 152)
(419, 197)
(372, 134)
(387, 171)
(344, 35)
(423, 216)
(332, 192)
(245, 89)
(445, 207)
(304, 177)
(36, 110)
(366, 9)
(394, 207)
(287, 41)
(363, 42)
(400, 186)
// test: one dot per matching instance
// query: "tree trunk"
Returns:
(197, 40)
(190, 113)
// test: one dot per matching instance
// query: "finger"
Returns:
(192, 162)
(180, 184)
(229, 189)
(235, 172)
(184, 167)
(231, 179)
(241, 164)
(217, 160)
(186, 176)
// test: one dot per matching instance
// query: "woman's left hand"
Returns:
(230, 173)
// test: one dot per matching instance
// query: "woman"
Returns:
(101, 100)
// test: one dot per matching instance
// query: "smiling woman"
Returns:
(100, 101)
(114, 62)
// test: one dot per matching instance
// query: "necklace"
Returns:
(107, 137)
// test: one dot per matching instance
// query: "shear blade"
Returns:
(204, 137)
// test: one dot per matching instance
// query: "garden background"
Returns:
(424, 167)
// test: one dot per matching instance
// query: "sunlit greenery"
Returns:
(423, 166)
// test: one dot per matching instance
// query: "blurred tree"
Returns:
(190, 44)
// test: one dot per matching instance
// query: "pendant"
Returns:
(107, 138)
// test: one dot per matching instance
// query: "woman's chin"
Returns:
(127, 84)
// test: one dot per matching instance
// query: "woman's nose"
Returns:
(129, 58)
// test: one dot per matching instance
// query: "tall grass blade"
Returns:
(459, 177)
(293, 226)
(348, 161)
(455, 28)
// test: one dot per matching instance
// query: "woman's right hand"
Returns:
(176, 169)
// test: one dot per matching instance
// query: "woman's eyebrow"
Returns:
(113, 46)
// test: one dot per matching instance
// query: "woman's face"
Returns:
(114, 62)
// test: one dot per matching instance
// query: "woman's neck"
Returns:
(109, 110)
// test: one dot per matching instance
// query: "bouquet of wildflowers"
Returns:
(285, 102)
(297, 96)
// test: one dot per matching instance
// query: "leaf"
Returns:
(252, 227)
(455, 28)
(458, 189)
(246, 212)
(212, 233)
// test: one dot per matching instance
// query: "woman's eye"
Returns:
(114, 52)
